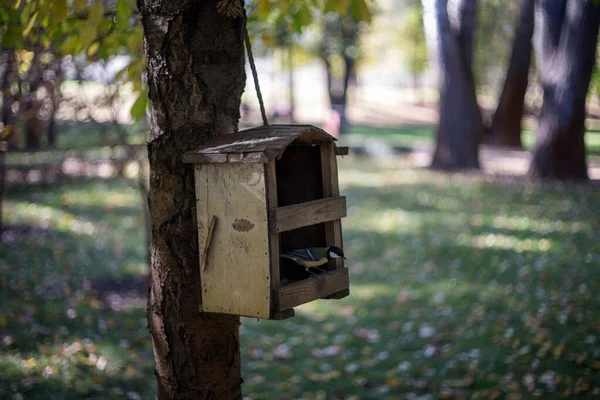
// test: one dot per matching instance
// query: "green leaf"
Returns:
(123, 14)
(138, 109)
(360, 11)
(337, 6)
(59, 9)
(122, 72)
(263, 9)
(302, 18)
(12, 37)
(80, 5)
(71, 45)
(87, 33)
(93, 48)
(30, 24)
(282, 5)
(96, 13)
(134, 41)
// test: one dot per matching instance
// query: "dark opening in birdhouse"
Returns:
(299, 180)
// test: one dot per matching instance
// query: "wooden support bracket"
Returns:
(342, 150)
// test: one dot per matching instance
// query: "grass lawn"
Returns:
(460, 289)
(411, 136)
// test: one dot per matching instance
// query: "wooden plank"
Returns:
(217, 158)
(309, 213)
(339, 295)
(237, 278)
(281, 315)
(336, 225)
(309, 289)
(342, 150)
(333, 231)
(271, 140)
(271, 185)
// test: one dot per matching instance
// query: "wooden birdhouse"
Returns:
(261, 192)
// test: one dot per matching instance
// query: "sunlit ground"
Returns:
(460, 288)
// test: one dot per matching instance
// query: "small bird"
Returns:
(314, 257)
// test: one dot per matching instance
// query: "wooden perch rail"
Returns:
(309, 289)
(309, 213)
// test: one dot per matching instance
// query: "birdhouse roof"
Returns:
(262, 144)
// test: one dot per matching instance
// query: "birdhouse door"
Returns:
(236, 277)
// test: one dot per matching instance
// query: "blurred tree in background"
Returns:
(567, 34)
(460, 126)
(87, 55)
(43, 40)
(339, 52)
(505, 126)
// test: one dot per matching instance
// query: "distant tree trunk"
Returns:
(460, 126)
(505, 127)
(565, 46)
(195, 78)
(3, 148)
(290, 62)
(34, 126)
(10, 76)
(344, 31)
(53, 88)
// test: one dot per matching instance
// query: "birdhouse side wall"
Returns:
(236, 279)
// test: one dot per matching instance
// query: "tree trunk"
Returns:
(340, 35)
(55, 99)
(566, 49)
(195, 77)
(290, 62)
(505, 127)
(34, 126)
(460, 126)
(8, 118)
(3, 148)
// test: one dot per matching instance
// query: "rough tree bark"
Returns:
(460, 126)
(195, 78)
(505, 126)
(565, 45)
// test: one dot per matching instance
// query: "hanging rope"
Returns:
(263, 113)
(235, 8)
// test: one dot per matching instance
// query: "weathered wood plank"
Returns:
(271, 176)
(337, 225)
(297, 293)
(339, 295)
(309, 213)
(333, 229)
(281, 315)
(237, 278)
(218, 158)
(257, 143)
